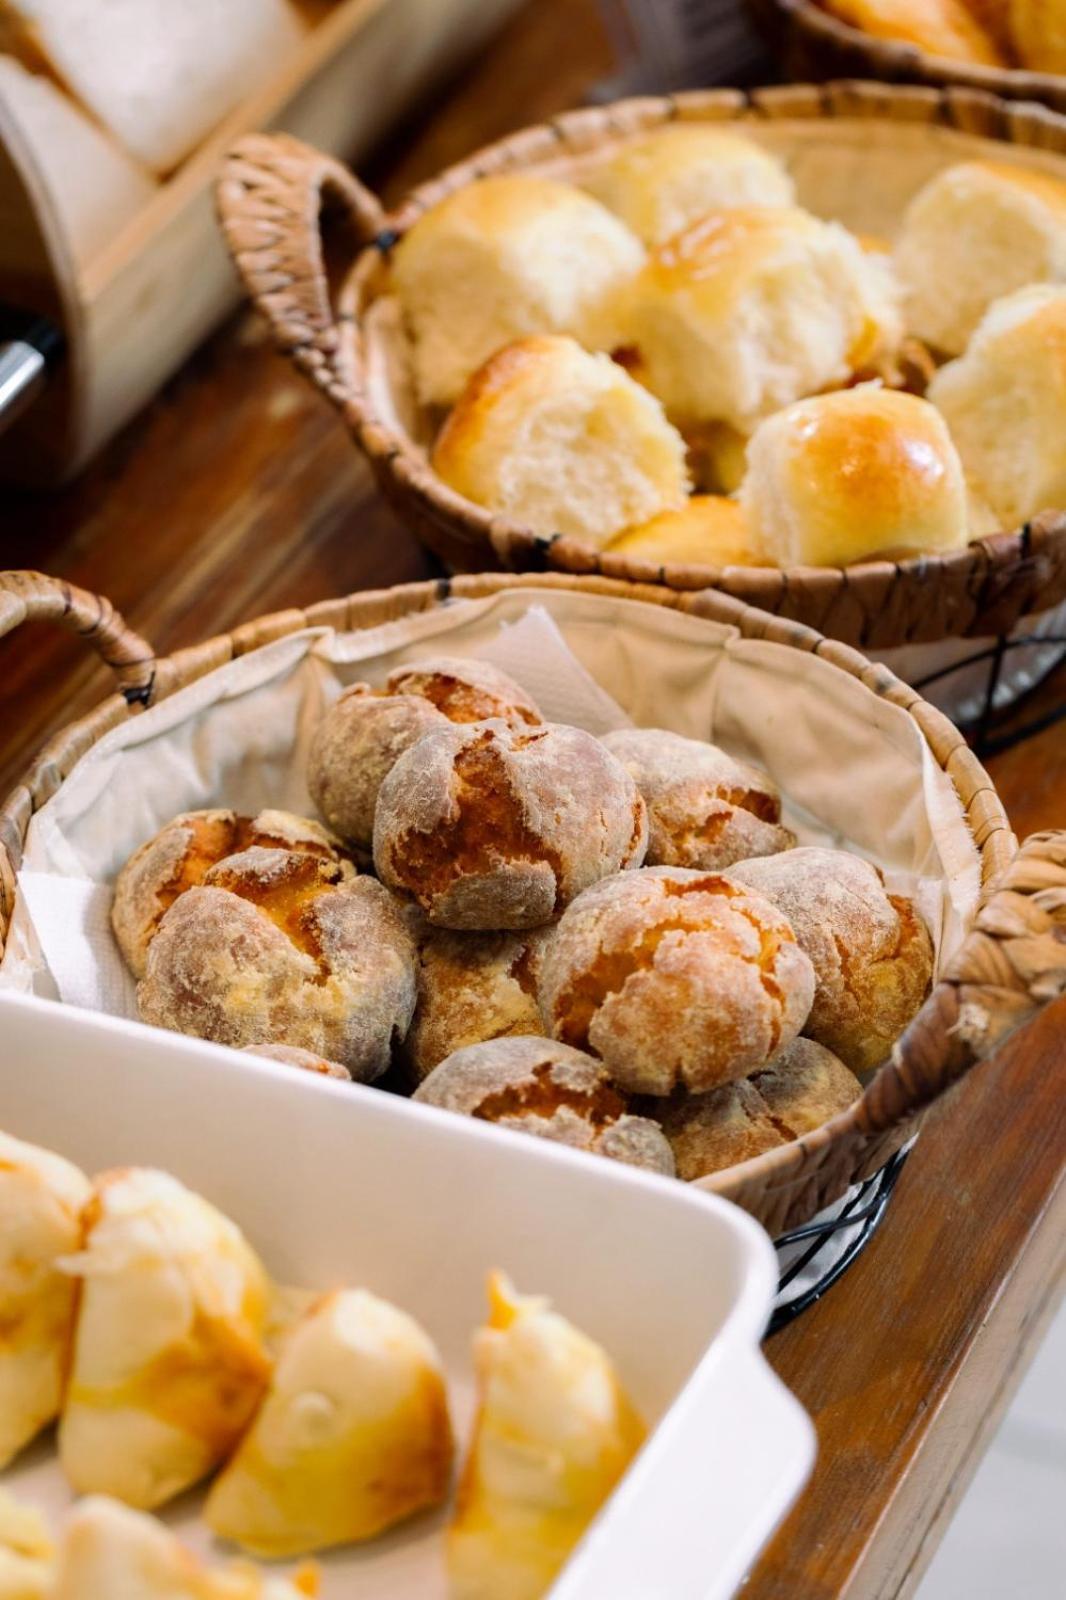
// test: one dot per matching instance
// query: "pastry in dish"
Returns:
(352, 1436)
(708, 529)
(41, 1201)
(473, 987)
(168, 1362)
(26, 1552)
(939, 27)
(554, 1433)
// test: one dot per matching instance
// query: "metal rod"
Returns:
(22, 377)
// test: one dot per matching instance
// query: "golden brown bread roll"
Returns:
(563, 442)
(705, 809)
(487, 828)
(465, 689)
(473, 987)
(280, 948)
(708, 530)
(872, 955)
(994, 18)
(538, 1086)
(939, 27)
(1038, 33)
(976, 232)
(180, 854)
(854, 475)
(501, 259)
(675, 980)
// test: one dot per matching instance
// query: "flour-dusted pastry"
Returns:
(290, 1055)
(501, 259)
(661, 181)
(799, 1091)
(41, 1202)
(541, 1087)
(675, 980)
(976, 232)
(277, 947)
(465, 689)
(1038, 33)
(945, 28)
(1005, 404)
(852, 476)
(169, 1361)
(708, 530)
(872, 954)
(352, 1436)
(705, 808)
(26, 1552)
(473, 987)
(562, 441)
(553, 1435)
(487, 828)
(748, 310)
(180, 855)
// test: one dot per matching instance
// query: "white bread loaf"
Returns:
(93, 185)
(974, 233)
(1005, 404)
(159, 75)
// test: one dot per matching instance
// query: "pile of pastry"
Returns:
(981, 33)
(140, 1316)
(676, 362)
(609, 942)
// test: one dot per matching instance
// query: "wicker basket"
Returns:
(858, 151)
(812, 44)
(1012, 962)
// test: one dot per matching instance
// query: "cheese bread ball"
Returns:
(661, 181)
(974, 233)
(748, 310)
(854, 475)
(41, 1202)
(1038, 33)
(943, 28)
(872, 954)
(675, 980)
(26, 1552)
(563, 442)
(708, 530)
(1005, 404)
(473, 987)
(490, 829)
(500, 259)
(705, 808)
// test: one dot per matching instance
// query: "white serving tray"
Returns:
(338, 1184)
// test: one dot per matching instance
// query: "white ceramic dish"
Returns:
(340, 1184)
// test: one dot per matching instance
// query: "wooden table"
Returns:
(238, 493)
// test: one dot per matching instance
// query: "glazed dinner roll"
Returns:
(500, 259)
(1038, 33)
(708, 530)
(705, 808)
(675, 980)
(41, 1202)
(944, 28)
(661, 181)
(179, 856)
(280, 948)
(872, 954)
(849, 476)
(487, 828)
(541, 1087)
(748, 310)
(974, 233)
(801, 1089)
(169, 1359)
(554, 1432)
(473, 987)
(562, 441)
(1005, 403)
(352, 1436)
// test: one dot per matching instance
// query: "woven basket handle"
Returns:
(33, 597)
(270, 197)
(1011, 965)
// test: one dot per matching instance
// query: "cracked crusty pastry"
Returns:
(554, 1433)
(473, 987)
(352, 1436)
(169, 1360)
(675, 979)
(41, 1201)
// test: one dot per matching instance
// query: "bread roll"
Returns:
(159, 75)
(659, 182)
(465, 689)
(501, 259)
(974, 233)
(26, 1552)
(1038, 32)
(1005, 404)
(994, 18)
(290, 1055)
(674, 980)
(943, 28)
(854, 475)
(473, 987)
(563, 442)
(708, 530)
(748, 310)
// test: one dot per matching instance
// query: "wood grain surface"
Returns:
(238, 493)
